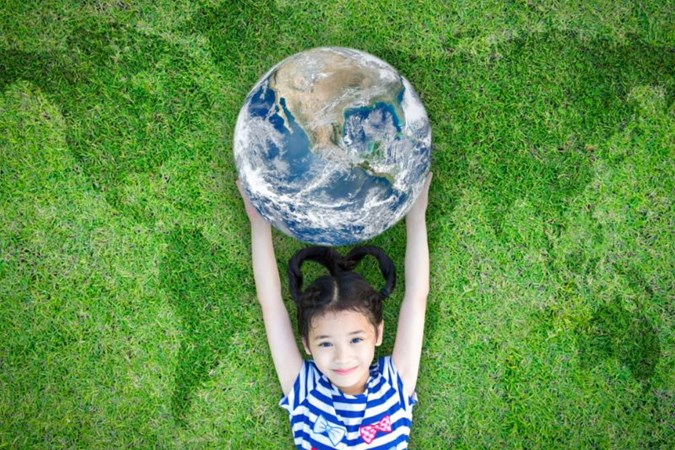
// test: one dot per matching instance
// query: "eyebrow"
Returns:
(325, 336)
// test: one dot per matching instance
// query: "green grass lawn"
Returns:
(128, 316)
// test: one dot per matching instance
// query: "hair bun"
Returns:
(326, 256)
(336, 264)
(386, 265)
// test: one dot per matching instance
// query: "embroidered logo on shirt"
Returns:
(368, 432)
(334, 432)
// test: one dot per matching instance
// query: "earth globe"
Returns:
(332, 146)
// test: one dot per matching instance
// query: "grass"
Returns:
(128, 314)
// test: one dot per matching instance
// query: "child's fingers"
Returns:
(427, 182)
(424, 194)
(250, 210)
(420, 205)
(244, 197)
(241, 190)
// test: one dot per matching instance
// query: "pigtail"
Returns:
(325, 256)
(387, 268)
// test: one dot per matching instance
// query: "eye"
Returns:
(325, 344)
(357, 340)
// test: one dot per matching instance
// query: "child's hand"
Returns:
(419, 208)
(253, 216)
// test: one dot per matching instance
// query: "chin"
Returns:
(348, 386)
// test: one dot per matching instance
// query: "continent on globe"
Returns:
(332, 146)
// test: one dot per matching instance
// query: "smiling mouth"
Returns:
(344, 371)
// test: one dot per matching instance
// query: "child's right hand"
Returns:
(253, 216)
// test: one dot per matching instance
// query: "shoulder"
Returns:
(310, 382)
(386, 368)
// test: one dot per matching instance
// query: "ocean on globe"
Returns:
(332, 146)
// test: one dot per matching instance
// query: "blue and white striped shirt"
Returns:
(323, 417)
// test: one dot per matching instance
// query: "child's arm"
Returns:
(285, 352)
(408, 345)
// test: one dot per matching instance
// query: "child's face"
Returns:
(343, 346)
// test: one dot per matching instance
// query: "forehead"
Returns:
(341, 322)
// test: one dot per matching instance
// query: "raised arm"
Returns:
(285, 353)
(408, 345)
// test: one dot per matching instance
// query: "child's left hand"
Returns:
(419, 208)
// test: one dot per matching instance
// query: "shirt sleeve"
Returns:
(392, 376)
(304, 383)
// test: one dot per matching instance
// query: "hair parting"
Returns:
(342, 289)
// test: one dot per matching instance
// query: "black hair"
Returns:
(342, 289)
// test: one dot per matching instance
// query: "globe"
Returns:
(332, 146)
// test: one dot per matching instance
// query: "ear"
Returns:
(380, 333)
(304, 344)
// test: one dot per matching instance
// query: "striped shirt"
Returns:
(323, 417)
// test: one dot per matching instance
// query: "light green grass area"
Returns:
(128, 316)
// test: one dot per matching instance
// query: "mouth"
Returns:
(343, 372)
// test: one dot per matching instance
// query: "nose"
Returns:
(341, 354)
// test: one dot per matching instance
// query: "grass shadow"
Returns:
(614, 332)
(192, 273)
(126, 97)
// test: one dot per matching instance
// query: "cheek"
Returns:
(322, 361)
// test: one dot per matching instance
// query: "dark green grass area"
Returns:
(128, 316)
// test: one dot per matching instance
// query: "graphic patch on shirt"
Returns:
(368, 432)
(334, 432)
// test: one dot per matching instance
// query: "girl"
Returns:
(341, 399)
